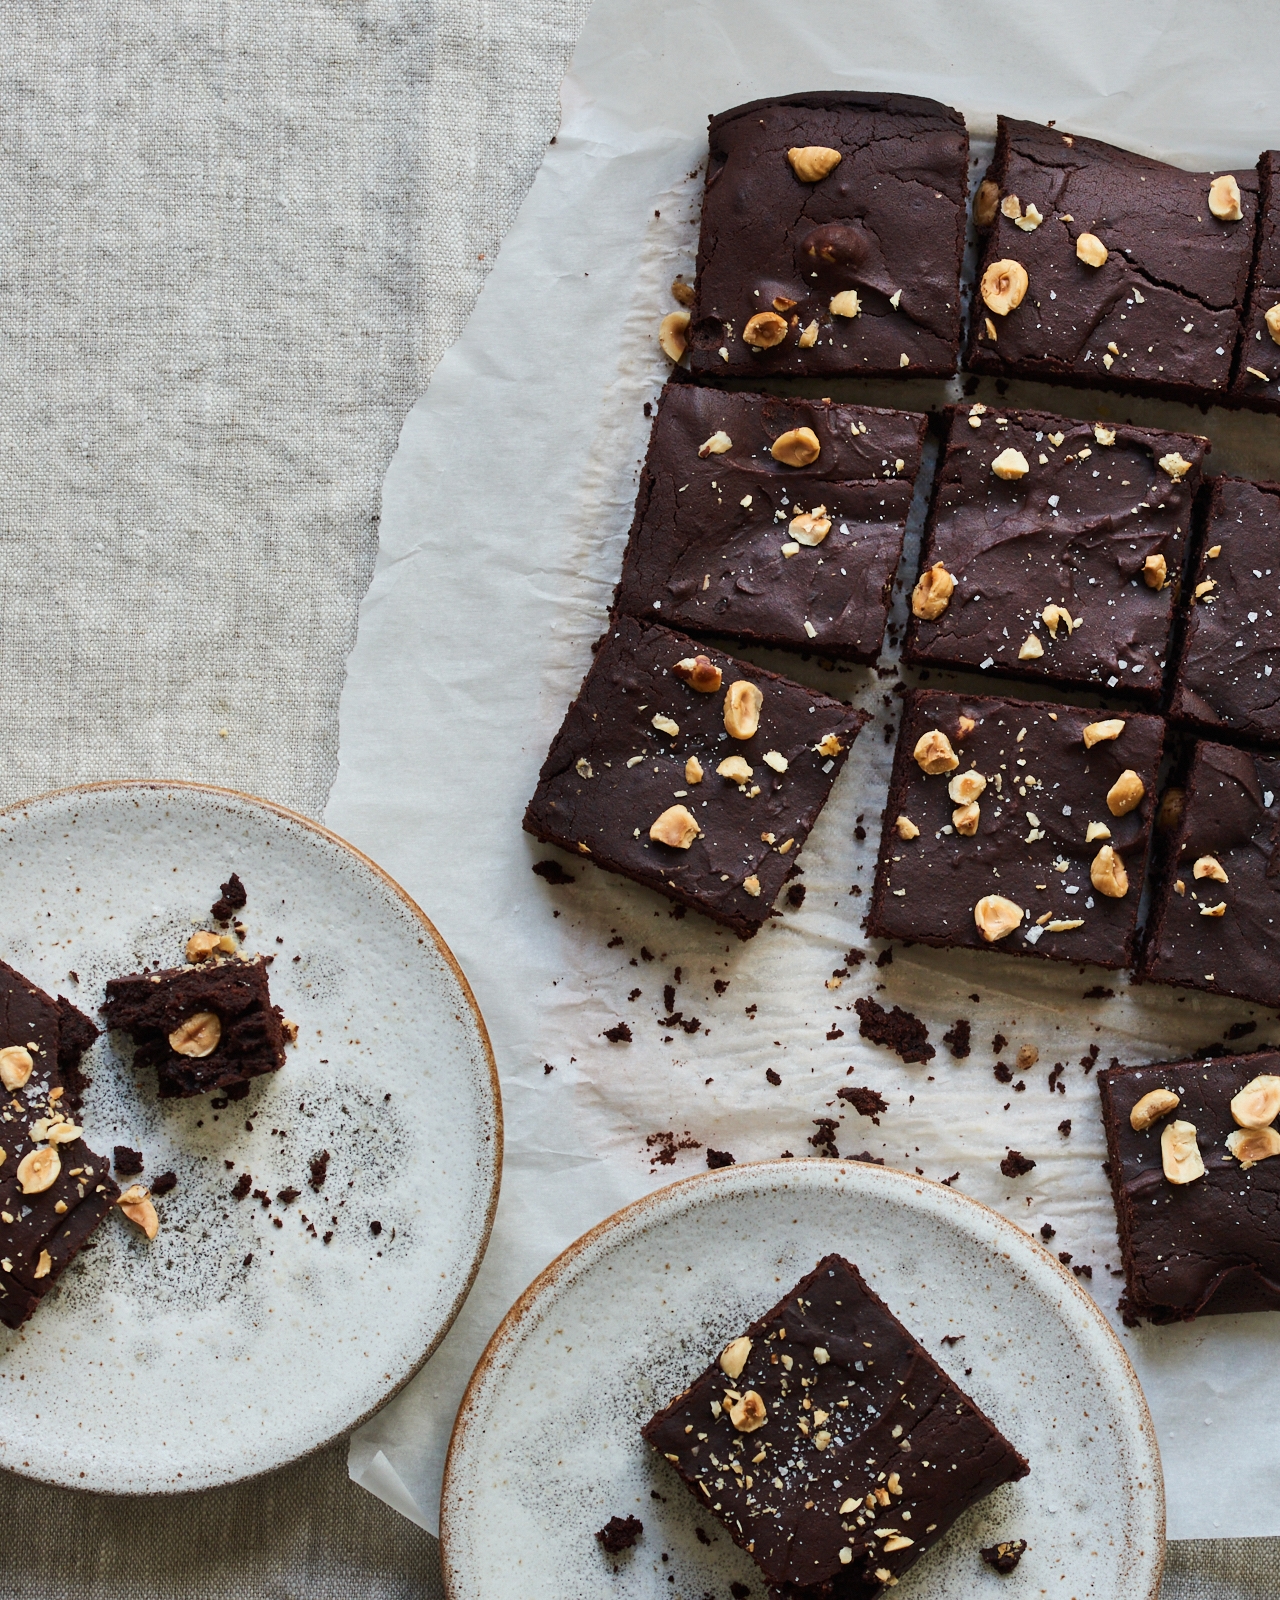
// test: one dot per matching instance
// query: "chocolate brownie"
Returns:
(1231, 639)
(207, 1026)
(1257, 374)
(1196, 1192)
(829, 1443)
(1216, 903)
(1106, 268)
(1017, 825)
(832, 233)
(728, 538)
(691, 772)
(1054, 548)
(54, 1190)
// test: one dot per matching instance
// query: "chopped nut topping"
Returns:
(812, 162)
(1174, 465)
(1251, 1145)
(1179, 887)
(821, 1357)
(1202, 589)
(1030, 649)
(136, 1204)
(1027, 1056)
(677, 827)
(966, 786)
(197, 1036)
(1010, 464)
(810, 527)
(1125, 793)
(781, 302)
(808, 337)
(1011, 207)
(1210, 867)
(201, 945)
(15, 1066)
(1156, 1103)
(776, 760)
(1055, 617)
(764, 330)
(1220, 910)
(932, 593)
(1224, 198)
(964, 819)
(1169, 816)
(1272, 319)
(736, 770)
(693, 770)
(734, 1357)
(1104, 435)
(742, 704)
(665, 724)
(38, 1170)
(1155, 572)
(845, 304)
(985, 202)
(699, 673)
(1091, 250)
(934, 754)
(828, 745)
(848, 1508)
(798, 447)
(716, 445)
(673, 334)
(906, 829)
(748, 1413)
(899, 1541)
(681, 292)
(1179, 1153)
(1030, 219)
(584, 769)
(1107, 874)
(1258, 1103)
(821, 1439)
(752, 886)
(1096, 830)
(1099, 732)
(1003, 285)
(44, 1265)
(1058, 925)
(996, 917)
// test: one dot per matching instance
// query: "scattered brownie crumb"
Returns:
(165, 1182)
(248, 1260)
(619, 1534)
(1084, 1270)
(553, 872)
(703, 1537)
(375, 1228)
(739, 1591)
(645, 953)
(319, 1170)
(854, 958)
(835, 1033)
(956, 1038)
(795, 895)
(127, 1162)
(866, 1102)
(718, 1158)
(1064, 1127)
(720, 985)
(1006, 1556)
(74, 976)
(952, 1338)
(1046, 1232)
(772, 1077)
(233, 899)
(874, 1161)
(947, 1182)
(885, 958)
(1089, 1059)
(241, 1186)
(1003, 1072)
(1240, 1030)
(1065, 1257)
(824, 1141)
(1055, 1077)
(1098, 993)
(898, 1029)
(620, 1033)
(998, 1044)
(665, 1146)
(286, 1197)
(1016, 1165)
(262, 1196)
(1020, 1086)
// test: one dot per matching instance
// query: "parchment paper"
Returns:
(504, 515)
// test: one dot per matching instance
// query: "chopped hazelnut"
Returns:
(1172, 805)
(197, 1035)
(798, 447)
(1179, 1153)
(828, 745)
(1099, 732)
(1272, 320)
(44, 1265)
(1224, 198)
(1030, 649)
(1103, 435)
(1091, 250)
(782, 302)
(1026, 1058)
(1125, 793)
(808, 337)
(1107, 874)
(932, 593)
(673, 334)
(812, 162)
(1251, 1145)
(934, 754)
(1011, 207)
(38, 1170)
(693, 770)
(682, 293)
(985, 203)
(1220, 910)
(965, 819)
(734, 1357)
(1174, 465)
(1003, 285)
(136, 1204)
(1030, 220)
(1155, 572)
(677, 827)
(15, 1066)
(810, 527)
(1096, 830)
(201, 945)
(742, 704)
(1210, 867)
(699, 673)
(996, 917)
(1010, 464)
(764, 330)
(735, 769)
(748, 1413)
(776, 760)
(716, 445)
(906, 829)
(1258, 1103)
(845, 304)
(1055, 617)
(966, 786)
(897, 1541)
(1156, 1103)
(667, 725)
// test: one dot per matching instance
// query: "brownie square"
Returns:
(1224, 855)
(785, 233)
(1257, 375)
(1064, 542)
(638, 756)
(728, 539)
(202, 1027)
(1162, 311)
(1020, 835)
(1231, 637)
(858, 1451)
(1211, 1244)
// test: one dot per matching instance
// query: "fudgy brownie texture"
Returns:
(784, 234)
(1162, 311)
(1215, 910)
(633, 783)
(1211, 1244)
(205, 1027)
(54, 1190)
(1019, 828)
(728, 539)
(831, 1446)
(1064, 542)
(1225, 680)
(1257, 374)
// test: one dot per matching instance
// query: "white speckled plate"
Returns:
(239, 1340)
(547, 1448)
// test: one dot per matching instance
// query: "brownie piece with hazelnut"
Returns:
(1053, 550)
(1256, 382)
(833, 229)
(1019, 826)
(1215, 909)
(691, 772)
(829, 1443)
(1106, 268)
(1196, 1191)
(1231, 636)
(774, 521)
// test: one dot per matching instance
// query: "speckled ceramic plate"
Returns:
(239, 1339)
(547, 1448)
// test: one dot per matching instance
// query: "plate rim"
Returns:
(892, 1178)
(288, 814)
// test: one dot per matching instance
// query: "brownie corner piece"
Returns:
(829, 1443)
(690, 772)
(1215, 908)
(833, 227)
(1018, 826)
(203, 1027)
(1053, 550)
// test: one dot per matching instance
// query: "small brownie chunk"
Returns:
(201, 1027)
(632, 780)
(619, 1534)
(1004, 1557)
(1066, 572)
(835, 196)
(1160, 313)
(128, 1163)
(1231, 642)
(1015, 833)
(738, 543)
(829, 1443)
(234, 897)
(1257, 376)
(1210, 1242)
(1215, 911)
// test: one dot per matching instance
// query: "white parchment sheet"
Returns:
(504, 515)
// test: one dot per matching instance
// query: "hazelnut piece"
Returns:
(1010, 465)
(808, 337)
(44, 1265)
(38, 1170)
(1250, 1145)
(1174, 465)
(845, 304)
(1224, 198)
(673, 334)
(1107, 874)
(934, 754)
(136, 1204)
(812, 162)
(682, 293)
(810, 527)
(1156, 1103)
(15, 1066)
(677, 827)
(986, 202)
(782, 302)
(1220, 910)
(752, 886)
(932, 593)
(828, 745)
(1055, 617)
(1091, 250)
(1272, 320)
(906, 829)
(1099, 732)
(742, 704)
(1096, 830)
(964, 819)
(716, 445)
(1179, 1153)
(667, 725)
(966, 786)
(699, 673)
(798, 447)
(1210, 867)
(996, 917)
(1172, 805)
(1155, 572)
(1030, 649)
(1125, 793)
(1104, 436)
(748, 1413)
(1003, 285)
(1258, 1103)
(693, 770)
(1027, 1056)
(734, 1357)
(201, 945)
(197, 1035)
(735, 769)
(764, 330)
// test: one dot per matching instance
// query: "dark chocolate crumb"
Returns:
(795, 896)
(1065, 1257)
(319, 1169)
(947, 1182)
(1084, 1270)
(772, 1077)
(1046, 1232)
(854, 958)
(618, 1034)
(286, 1197)
(241, 1186)
(1055, 1074)
(553, 872)
(956, 1038)
(898, 1029)
(866, 1102)
(835, 1033)
(666, 1145)
(1098, 993)
(1064, 1127)
(1004, 1557)
(720, 985)
(952, 1338)
(1016, 1165)
(127, 1162)
(739, 1591)
(1240, 1030)
(702, 1536)
(875, 1161)
(1089, 1059)
(619, 1534)
(248, 1260)
(1003, 1072)
(824, 1141)
(233, 899)
(165, 1182)
(998, 1044)
(375, 1228)
(885, 958)
(719, 1158)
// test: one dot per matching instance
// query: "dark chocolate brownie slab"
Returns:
(728, 539)
(1021, 837)
(785, 233)
(1160, 313)
(1257, 374)
(1227, 679)
(1053, 549)
(858, 1451)
(633, 782)
(1215, 910)
(1210, 1244)
(203, 1027)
